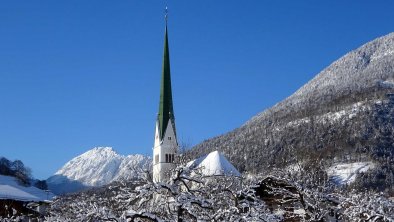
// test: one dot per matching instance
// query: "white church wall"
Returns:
(168, 145)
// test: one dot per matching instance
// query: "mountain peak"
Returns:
(103, 148)
(100, 166)
(361, 70)
(107, 150)
(338, 115)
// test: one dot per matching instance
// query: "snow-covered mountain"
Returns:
(343, 115)
(363, 70)
(96, 167)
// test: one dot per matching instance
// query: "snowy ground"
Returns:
(346, 173)
(11, 189)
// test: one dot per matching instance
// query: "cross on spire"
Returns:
(166, 14)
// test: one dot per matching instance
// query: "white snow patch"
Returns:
(297, 122)
(351, 111)
(388, 83)
(280, 213)
(296, 167)
(11, 189)
(381, 55)
(336, 115)
(352, 115)
(300, 212)
(346, 173)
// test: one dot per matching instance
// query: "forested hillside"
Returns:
(16, 169)
(344, 114)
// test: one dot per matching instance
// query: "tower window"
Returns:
(157, 158)
(170, 158)
(169, 138)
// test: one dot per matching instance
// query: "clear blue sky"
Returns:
(78, 74)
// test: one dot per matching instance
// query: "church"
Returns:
(165, 143)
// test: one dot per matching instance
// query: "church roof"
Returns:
(214, 164)
(166, 111)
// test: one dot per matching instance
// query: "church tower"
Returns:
(165, 145)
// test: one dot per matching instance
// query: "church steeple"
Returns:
(166, 111)
(166, 145)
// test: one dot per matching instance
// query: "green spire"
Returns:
(166, 111)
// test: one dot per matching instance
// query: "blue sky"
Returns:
(79, 74)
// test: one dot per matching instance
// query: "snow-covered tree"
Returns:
(188, 196)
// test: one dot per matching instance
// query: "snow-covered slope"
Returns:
(345, 112)
(367, 67)
(97, 167)
(11, 189)
(214, 164)
(346, 173)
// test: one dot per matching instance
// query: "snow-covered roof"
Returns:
(214, 164)
(10, 189)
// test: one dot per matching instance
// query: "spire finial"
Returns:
(166, 13)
